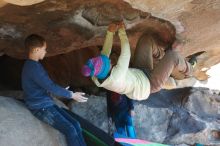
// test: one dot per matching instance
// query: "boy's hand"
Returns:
(78, 96)
(112, 27)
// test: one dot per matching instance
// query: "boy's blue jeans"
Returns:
(62, 121)
(124, 124)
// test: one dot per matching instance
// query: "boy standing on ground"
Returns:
(37, 88)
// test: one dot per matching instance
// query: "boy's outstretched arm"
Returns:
(41, 77)
(107, 47)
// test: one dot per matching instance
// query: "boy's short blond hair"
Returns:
(33, 41)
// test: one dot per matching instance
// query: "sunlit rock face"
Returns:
(181, 116)
(23, 2)
(196, 21)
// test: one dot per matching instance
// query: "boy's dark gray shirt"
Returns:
(37, 85)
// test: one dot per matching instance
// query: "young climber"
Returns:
(134, 82)
(120, 111)
(37, 88)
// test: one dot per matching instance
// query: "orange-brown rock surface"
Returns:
(72, 25)
(197, 23)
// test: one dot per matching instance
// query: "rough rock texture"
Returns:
(23, 2)
(19, 128)
(94, 111)
(181, 116)
(69, 26)
(2, 3)
(72, 25)
(196, 21)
